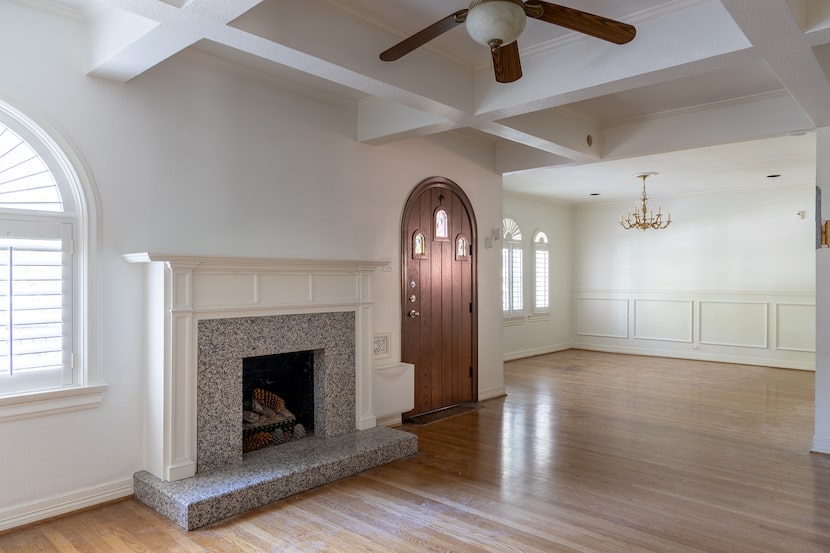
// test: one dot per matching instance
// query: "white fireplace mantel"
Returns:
(183, 289)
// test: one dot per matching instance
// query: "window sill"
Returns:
(539, 317)
(40, 404)
(514, 321)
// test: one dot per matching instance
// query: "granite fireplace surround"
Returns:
(226, 482)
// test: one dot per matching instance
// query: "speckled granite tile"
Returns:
(270, 474)
(223, 343)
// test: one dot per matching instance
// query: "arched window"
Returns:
(442, 225)
(512, 262)
(419, 245)
(541, 273)
(45, 259)
(462, 248)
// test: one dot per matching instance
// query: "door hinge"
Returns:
(471, 372)
(471, 307)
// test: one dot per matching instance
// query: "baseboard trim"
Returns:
(513, 355)
(698, 356)
(821, 444)
(490, 393)
(390, 421)
(35, 511)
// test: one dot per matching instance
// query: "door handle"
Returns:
(413, 314)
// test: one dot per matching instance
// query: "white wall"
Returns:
(732, 279)
(821, 436)
(191, 158)
(533, 335)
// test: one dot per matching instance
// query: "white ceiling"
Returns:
(707, 94)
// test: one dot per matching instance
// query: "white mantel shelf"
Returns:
(218, 263)
(181, 290)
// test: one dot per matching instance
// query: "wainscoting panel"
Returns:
(795, 327)
(668, 320)
(770, 328)
(605, 317)
(732, 323)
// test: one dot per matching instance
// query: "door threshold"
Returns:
(443, 413)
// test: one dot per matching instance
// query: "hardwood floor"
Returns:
(589, 452)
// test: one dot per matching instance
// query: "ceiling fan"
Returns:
(498, 23)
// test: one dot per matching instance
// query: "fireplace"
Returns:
(224, 344)
(277, 399)
(206, 317)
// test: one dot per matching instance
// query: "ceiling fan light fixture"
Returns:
(496, 23)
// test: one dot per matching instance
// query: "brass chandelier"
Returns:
(642, 217)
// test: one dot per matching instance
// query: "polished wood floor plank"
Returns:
(589, 452)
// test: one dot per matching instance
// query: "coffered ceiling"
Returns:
(713, 94)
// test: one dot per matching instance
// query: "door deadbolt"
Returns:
(412, 284)
(412, 298)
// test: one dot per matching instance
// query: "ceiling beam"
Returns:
(763, 116)
(125, 38)
(381, 121)
(776, 33)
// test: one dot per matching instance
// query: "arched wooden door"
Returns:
(438, 296)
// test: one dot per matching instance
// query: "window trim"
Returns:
(81, 208)
(537, 246)
(512, 238)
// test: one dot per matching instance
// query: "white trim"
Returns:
(491, 393)
(390, 420)
(532, 352)
(35, 511)
(698, 355)
(69, 167)
(764, 342)
(37, 404)
(686, 293)
(777, 325)
(689, 318)
(821, 444)
(234, 265)
(183, 290)
(537, 246)
(510, 243)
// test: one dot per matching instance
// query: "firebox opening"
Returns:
(277, 399)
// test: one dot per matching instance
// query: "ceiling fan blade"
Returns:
(583, 22)
(423, 36)
(506, 63)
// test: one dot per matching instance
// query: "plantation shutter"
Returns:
(35, 306)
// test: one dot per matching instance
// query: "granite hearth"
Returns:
(270, 474)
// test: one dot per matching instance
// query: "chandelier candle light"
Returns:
(642, 218)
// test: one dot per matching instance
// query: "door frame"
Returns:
(422, 187)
